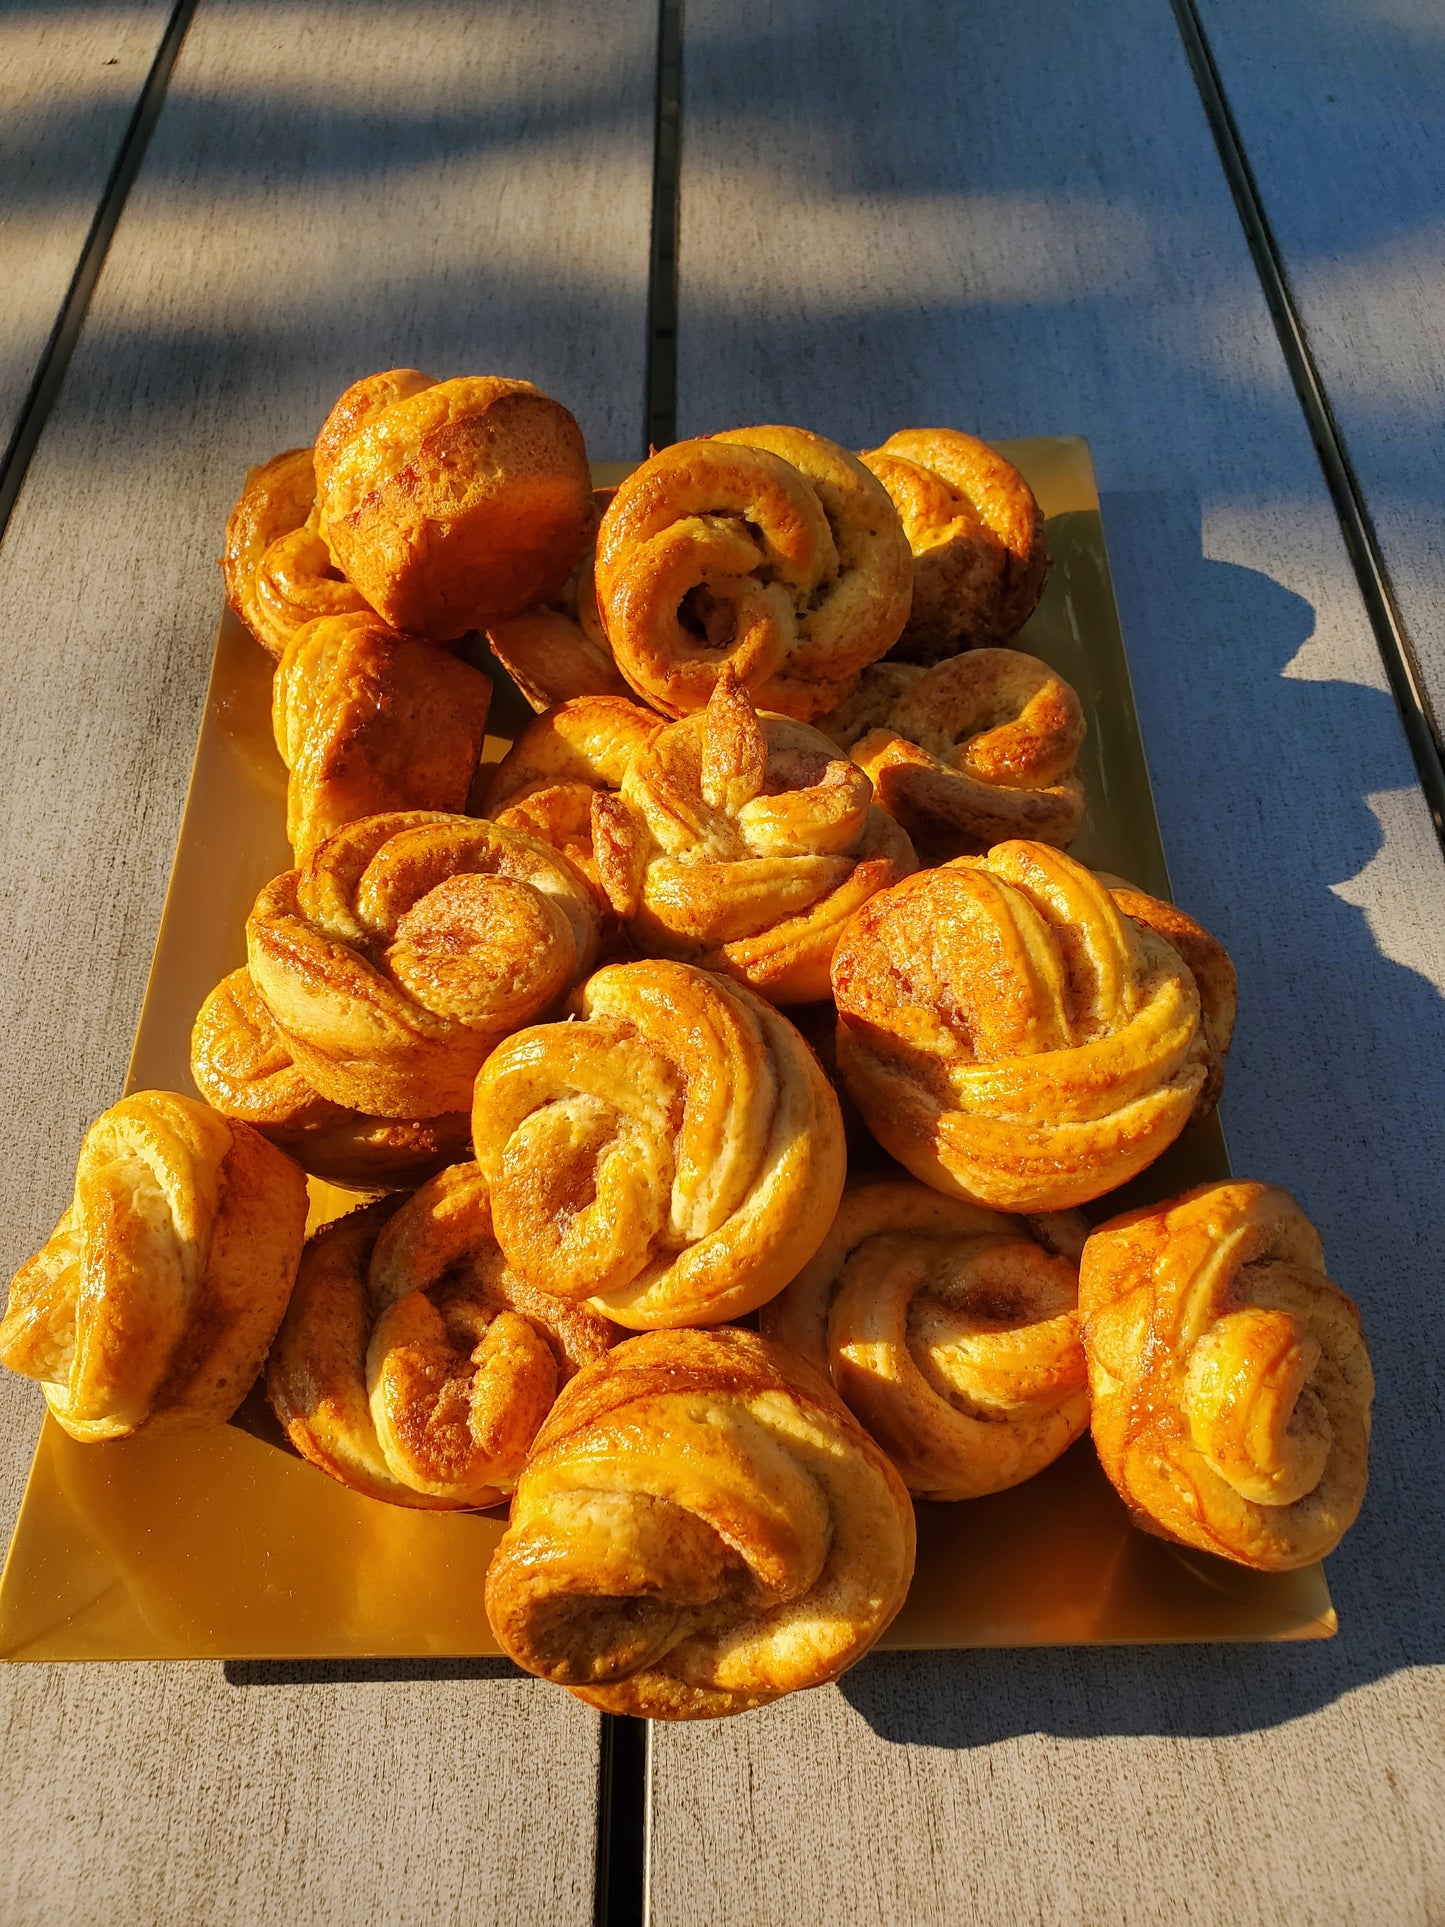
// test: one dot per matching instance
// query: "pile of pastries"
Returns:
(721, 1075)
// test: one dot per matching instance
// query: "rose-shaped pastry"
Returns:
(976, 750)
(1231, 1386)
(406, 946)
(702, 1527)
(450, 502)
(559, 650)
(412, 1365)
(977, 537)
(1013, 1037)
(154, 1301)
(951, 1332)
(279, 572)
(744, 844)
(673, 1158)
(767, 550)
(367, 720)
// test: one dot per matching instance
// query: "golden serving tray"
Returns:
(226, 1545)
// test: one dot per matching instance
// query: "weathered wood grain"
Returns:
(924, 214)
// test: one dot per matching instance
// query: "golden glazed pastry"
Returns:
(412, 1365)
(977, 537)
(743, 844)
(244, 1069)
(154, 1301)
(767, 550)
(559, 650)
(368, 720)
(952, 1333)
(702, 1527)
(971, 752)
(279, 572)
(673, 1156)
(1231, 1385)
(450, 502)
(1012, 1037)
(409, 944)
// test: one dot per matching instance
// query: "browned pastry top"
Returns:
(279, 572)
(558, 650)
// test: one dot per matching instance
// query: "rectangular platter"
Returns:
(225, 1545)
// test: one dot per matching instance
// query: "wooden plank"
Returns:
(329, 190)
(914, 215)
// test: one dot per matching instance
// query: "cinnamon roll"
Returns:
(278, 570)
(558, 651)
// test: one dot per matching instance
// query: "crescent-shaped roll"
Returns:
(559, 651)
(368, 720)
(244, 1069)
(1012, 1036)
(976, 534)
(673, 1155)
(278, 570)
(406, 946)
(950, 1332)
(154, 1301)
(767, 550)
(412, 1365)
(971, 752)
(701, 1528)
(743, 843)
(1231, 1385)
(450, 502)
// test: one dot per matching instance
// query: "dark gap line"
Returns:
(55, 359)
(662, 265)
(620, 1894)
(1356, 524)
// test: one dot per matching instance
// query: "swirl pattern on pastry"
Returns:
(702, 1527)
(156, 1296)
(559, 651)
(673, 1157)
(406, 946)
(743, 844)
(278, 570)
(1011, 1036)
(976, 534)
(950, 1332)
(1231, 1385)
(767, 550)
(412, 1365)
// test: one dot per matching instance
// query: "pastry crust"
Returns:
(702, 1527)
(950, 1332)
(769, 550)
(673, 1155)
(278, 570)
(559, 651)
(153, 1303)
(1231, 1384)
(412, 1365)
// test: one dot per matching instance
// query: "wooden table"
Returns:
(1015, 218)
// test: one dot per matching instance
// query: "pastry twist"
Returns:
(406, 946)
(976, 534)
(412, 1365)
(559, 651)
(156, 1296)
(278, 570)
(673, 1158)
(1012, 1037)
(744, 844)
(702, 1527)
(1231, 1385)
(768, 550)
(950, 1332)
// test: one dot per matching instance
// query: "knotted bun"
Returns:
(278, 570)
(558, 650)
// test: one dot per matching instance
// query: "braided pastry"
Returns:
(1012, 1037)
(1231, 1385)
(558, 651)
(450, 502)
(976, 750)
(744, 844)
(952, 1333)
(701, 1528)
(767, 550)
(673, 1158)
(244, 1069)
(154, 1301)
(278, 570)
(367, 720)
(412, 1365)
(977, 537)
(406, 946)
